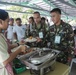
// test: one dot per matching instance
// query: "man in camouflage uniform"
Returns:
(39, 30)
(61, 36)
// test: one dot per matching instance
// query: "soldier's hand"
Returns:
(23, 49)
(22, 42)
(38, 39)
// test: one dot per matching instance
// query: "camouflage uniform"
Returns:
(65, 31)
(39, 28)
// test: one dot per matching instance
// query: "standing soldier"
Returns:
(61, 36)
(40, 29)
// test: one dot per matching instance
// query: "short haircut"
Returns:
(56, 10)
(18, 19)
(31, 18)
(43, 18)
(3, 14)
(36, 12)
(11, 19)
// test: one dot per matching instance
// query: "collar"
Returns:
(61, 24)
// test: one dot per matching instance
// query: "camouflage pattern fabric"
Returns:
(65, 31)
(40, 28)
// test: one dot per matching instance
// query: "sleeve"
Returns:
(70, 35)
(3, 50)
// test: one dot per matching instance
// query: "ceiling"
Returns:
(68, 7)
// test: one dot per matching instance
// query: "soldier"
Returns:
(43, 21)
(40, 29)
(61, 36)
(31, 22)
(29, 28)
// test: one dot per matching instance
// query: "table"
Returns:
(60, 69)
